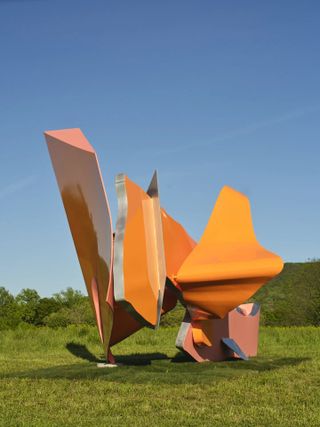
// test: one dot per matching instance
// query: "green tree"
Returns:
(45, 307)
(69, 297)
(5, 297)
(10, 315)
(28, 301)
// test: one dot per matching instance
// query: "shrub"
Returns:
(76, 315)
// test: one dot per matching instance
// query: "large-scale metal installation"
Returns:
(136, 276)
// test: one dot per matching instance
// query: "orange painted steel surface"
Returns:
(156, 261)
(228, 265)
(203, 339)
(139, 270)
(177, 245)
(86, 205)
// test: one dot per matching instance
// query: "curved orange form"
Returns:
(78, 174)
(228, 265)
(139, 268)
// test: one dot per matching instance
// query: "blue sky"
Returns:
(208, 93)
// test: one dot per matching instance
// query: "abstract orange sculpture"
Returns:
(153, 261)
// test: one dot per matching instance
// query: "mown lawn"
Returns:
(49, 378)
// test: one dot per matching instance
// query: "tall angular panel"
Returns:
(78, 175)
(139, 269)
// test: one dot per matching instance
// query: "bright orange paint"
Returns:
(228, 265)
(139, 254)
(177, 245)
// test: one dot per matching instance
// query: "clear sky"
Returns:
(207, 92)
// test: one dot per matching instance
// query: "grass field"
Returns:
(49, 378)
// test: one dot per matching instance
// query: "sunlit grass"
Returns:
(49, 377)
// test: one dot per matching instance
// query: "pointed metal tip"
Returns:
(153, 190)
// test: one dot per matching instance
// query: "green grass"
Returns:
(49, 378)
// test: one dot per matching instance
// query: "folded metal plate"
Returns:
(79, 179)
(228, 265)
(139, 266)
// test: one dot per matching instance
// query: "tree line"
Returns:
(62, 309)
(290, 299)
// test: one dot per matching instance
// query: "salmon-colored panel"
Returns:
(96, 304)
(86, 205)
(244, 328)
(139, 277)
(228, 265)
(202, 339)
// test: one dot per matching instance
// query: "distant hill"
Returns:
(293, 297)
(290, 299)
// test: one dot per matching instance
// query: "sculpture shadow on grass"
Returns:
(265, 364)
(81, 351)
(143, 359)
(156, 368)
